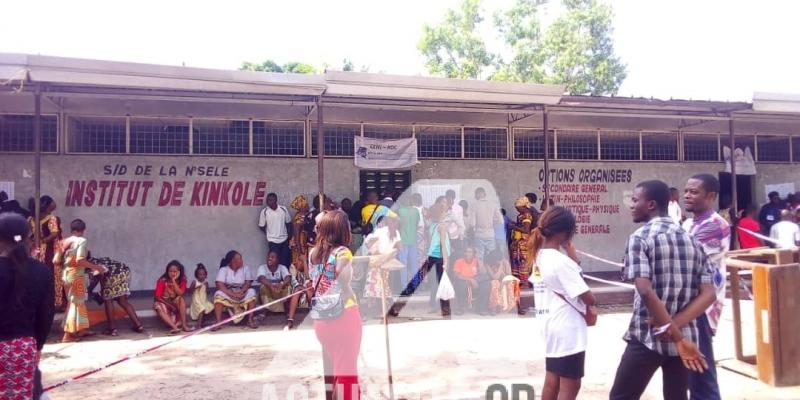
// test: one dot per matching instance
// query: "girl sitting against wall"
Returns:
(169, 302)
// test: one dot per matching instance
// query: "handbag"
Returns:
(367, 228)
(590, 316)
(329, 305)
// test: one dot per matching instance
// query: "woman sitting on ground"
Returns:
(233, 289)
(471, 282)
(504, 287)
(169, 302)
(200, 305)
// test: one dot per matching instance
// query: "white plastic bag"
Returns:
(446, 290)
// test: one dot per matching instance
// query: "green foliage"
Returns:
(454, 48)
(271, 66)
(576, 49)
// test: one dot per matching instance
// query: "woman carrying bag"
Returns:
(566, 303)
(334, 309)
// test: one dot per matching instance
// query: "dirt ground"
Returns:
(431, 359)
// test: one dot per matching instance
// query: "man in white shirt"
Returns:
(456, 227)
(275, 281)
(674, 208)
(786, 232)
(483, 217)
(274, 221)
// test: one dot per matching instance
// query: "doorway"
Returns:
(397, 180)
(744, 190)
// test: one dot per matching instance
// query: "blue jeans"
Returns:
(704, 386)
(485, 246)
(409, 256)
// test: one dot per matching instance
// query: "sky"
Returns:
(682, 49)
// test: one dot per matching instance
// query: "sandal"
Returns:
(86, 334)
(138, 329)
(110, 332)
(188, 328)
(252, 325)
(216, 328)
(70, 338)
(174, 332)
(289, 325)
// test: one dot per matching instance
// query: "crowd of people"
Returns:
(471, 243)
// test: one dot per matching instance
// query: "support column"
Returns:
(320, 154)
(546, 157)
(37, 169)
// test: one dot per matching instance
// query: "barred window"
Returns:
(577, 145)
(16, 133)
(159, 136)
(486, 143)
(96, 134)
(221, 136)
(387, 131)
(529, 144)
(698, 147)
(773, 148)
(619, 145)
(278, 138)
(439, 141)
(796, 148)
(338, 140)
(659, 146)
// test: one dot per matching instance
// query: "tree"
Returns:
(576, 50)
(272, 66)
(454, 48)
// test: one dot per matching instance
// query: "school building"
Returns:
(167, 162)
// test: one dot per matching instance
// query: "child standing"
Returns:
(567, 303)
(200, 306)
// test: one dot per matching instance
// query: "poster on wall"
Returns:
(783, 189)
(745, 163)
(385, 154)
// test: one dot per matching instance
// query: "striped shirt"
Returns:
(714, 234)
(676, 265)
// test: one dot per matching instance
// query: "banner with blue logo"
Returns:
(385, 154)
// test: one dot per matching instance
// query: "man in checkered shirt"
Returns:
(673, 287)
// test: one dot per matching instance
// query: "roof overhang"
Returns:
(428, 89)
(59, 72)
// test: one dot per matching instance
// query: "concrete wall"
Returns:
(147, 236)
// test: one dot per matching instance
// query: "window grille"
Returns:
(16, 133)
(96, 134)
(278, 138)
(577, 145)
(660, 146)
(773, 148)
(698, 147)
(159, 136)
(485, 143)
(439, 141)
(338, 140)
(221, 136)
(529, 144)
(619, 145)
(387, 131)
(796, 148)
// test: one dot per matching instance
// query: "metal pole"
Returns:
(320, 154)
(734, 193)
(37, 170)
(546, 158)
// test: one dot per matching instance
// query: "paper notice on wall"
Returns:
(783, 189)
(7, 187)
(385, 154)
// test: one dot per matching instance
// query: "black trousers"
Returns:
(416, 281)
(284, 253)
(638, 365)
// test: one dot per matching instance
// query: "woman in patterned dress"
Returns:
(300, 235)
(50, 234)
(520, 248)
(76, 251)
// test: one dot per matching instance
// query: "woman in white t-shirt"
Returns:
(564, 300)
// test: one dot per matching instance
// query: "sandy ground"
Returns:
(431, 359)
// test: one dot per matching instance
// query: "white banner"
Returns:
(745, 164)
(385, 154)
